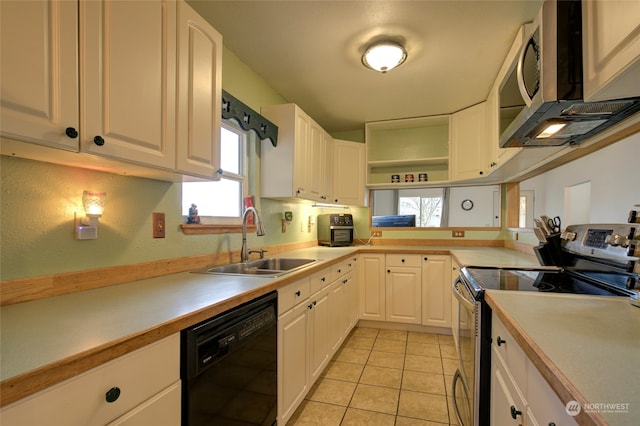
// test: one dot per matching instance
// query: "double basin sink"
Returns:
(272, 267)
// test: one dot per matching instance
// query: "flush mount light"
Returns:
(384, 56)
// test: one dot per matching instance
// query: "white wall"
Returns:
(612, 174)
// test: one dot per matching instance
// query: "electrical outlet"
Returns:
(457, 234)
(158, 225)
(376, 233)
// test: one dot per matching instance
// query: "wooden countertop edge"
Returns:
(23, 385)
(551, 373)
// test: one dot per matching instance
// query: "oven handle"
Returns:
(457, 376)
(457, 291)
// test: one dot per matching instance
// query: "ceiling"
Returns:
(310, 52)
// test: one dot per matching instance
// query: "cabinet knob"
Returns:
(402, 260)
(71, 132)
(322, 279)
(310, 306)
(426, 258)
(298, 293)
(481, 172)
(388, 271)
(112, 394)
(514, 412)
(500, 341)
(98, 140)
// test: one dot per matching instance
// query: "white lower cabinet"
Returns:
(148, 388)
(403, 285)
(372, 286)
(318, 333)
(519, 393)
(293, 330)
(436, 290)
(315, 315)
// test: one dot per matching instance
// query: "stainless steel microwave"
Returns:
(541, 95)
(335, 230)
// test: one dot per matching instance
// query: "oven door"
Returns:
(465, 383)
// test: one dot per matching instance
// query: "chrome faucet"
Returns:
(244, 252)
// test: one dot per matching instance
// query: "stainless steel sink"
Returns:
(272, 267)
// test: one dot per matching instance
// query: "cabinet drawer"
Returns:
(320, 279)
(409, 260)
(81, 400)
(340, 269)
(291, 295)
(509, 350)
(164, 409)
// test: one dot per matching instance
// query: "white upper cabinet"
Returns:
(128, 80)
(299, 166)
(39, 85)
(348, 172)
(199, 95)
(135, 84)
(470, 145)
(611, 46)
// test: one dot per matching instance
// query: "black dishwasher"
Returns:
(229, 367)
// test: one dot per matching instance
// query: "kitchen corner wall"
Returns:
(38, 202)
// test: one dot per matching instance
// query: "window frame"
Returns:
(226, 224)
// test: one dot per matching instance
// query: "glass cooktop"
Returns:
(552, 281)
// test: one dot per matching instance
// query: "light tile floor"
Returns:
(384, 377)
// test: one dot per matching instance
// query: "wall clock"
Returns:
(467, 205)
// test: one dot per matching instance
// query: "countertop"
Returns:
(46, 341)
(588, 347)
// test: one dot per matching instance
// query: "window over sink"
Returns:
(221, 202)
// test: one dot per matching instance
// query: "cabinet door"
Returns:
(403, 289)
(128, 80)
(611, 38)
(315, 162)
(164, 409)
(372, 286)
(436, 291)
(469, 144)
(336, 315)
(292, 361)
(348, 172)
(199, 95)
(507, 404)
(301, 156)
(318, 333)
(544, 405)
(39, 68)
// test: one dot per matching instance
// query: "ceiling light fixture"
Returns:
(384, 56)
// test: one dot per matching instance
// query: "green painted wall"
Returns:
(38, 202)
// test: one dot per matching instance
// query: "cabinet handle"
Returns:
(426, 258)
(322, 279)
(500, 341)
(514, 412)
(298, 293)
(345, 281)
(71, 132)
(112, 394)
(402, 260)
(98, 140)
(310, 306)
(481, 172)
(388, 271)
(339, 271)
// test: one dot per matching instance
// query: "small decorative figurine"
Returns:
(193, 215)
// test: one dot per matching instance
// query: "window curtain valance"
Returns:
(248, 119)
